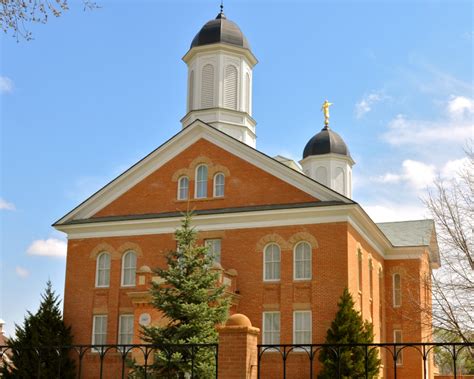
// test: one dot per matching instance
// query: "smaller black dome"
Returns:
(220, 30)
(326, 142)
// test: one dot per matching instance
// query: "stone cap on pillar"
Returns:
(238, 323)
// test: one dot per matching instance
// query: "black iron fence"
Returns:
(137, 361)
(302, 361)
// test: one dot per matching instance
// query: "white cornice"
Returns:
(223, 47)
(178, 143)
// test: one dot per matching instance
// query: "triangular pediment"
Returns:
(289, 181)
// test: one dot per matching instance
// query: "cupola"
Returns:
(327, 160)
(220, 73)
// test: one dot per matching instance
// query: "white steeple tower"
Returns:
(220, 66)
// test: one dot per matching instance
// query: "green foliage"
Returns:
(348, 327)
(443, 355)
(192, 302)
(33, 348)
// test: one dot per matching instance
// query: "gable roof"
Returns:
(408, 233)
(178, 143)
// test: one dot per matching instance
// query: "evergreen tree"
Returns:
(192, 303)
(348, 327)
(37, 351)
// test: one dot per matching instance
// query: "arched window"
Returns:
(271, 262)
(129, 268)
(230, 87)
(397, 290)
(183, 188)
(322, 175)
(207, 86)
(219, 183)
(102, 278)
(191, 91)
(201, 182)
(302, 261)
(339, 180)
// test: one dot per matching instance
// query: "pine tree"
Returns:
(36, 348)
(192, 303)
(348, 327)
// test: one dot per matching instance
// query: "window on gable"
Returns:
(99, 330)
(271, 257)
(397, 290)
(271, 328)
(201, 182)
(102, 278)
(219, 183)
(129, 268)
(302, 261)
(183, 188)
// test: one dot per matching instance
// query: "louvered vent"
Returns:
(207, 87)
(191, 91)
(230, 87)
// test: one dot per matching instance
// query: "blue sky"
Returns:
(96, 91)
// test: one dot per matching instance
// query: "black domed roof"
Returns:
(220, 30)
(326, 142)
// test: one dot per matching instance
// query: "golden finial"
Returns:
(325, 109)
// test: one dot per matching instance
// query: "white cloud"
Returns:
(460, 106)
(5, 205)
(403, 131)
(395, 212)
(6, 84)
(22, 272)
(51, 247)
(417, 174)
(453, 168)
(365, 105)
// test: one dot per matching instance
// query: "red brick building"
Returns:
(288, 239)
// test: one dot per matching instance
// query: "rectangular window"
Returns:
(99, 330)
(397, 338)
(302, 327)
(125, 336)
(214, 246)
(397, 290)
(271, 328)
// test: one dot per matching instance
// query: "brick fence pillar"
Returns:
(238, 348)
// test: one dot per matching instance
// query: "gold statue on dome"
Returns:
(325, 109)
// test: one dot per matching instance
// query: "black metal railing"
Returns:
(278, 357)
(118, 361)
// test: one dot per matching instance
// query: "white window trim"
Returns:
(196, 182)
(97, 270)
(393, 291)
(310, 325)
(400, 355)
(123, 269)
(207, 243)
(119, 334)
(94, 317)
(214, 186)
(178, 195)
(264, 328)
(265, 248)
(310, 261)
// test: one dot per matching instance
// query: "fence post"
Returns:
(238, 352)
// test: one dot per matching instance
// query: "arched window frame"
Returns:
(191, 91)
(131, 281)
(219, 187)
(305, 262)
(207, 86)
(231, 86)
(201, 182)
(183, 188)
(276, 264)
(102, 268)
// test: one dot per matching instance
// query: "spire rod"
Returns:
(222, 6)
